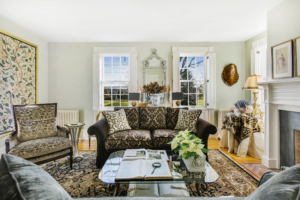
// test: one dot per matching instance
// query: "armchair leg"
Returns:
(89, 141)
(71, 158)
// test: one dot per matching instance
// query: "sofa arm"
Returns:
(266, 177)
(11, 141)
(204, 129)
(62, 132)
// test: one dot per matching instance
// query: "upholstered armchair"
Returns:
(37, 138)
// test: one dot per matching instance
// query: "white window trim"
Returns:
(99, 53)
(210, 86)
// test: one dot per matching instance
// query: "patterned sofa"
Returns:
(37, 142)
(152, 128)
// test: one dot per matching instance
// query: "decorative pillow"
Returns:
(31, 130)
(22, 179)
(152, 118)
(172, 117)
(117, 121)
(187, 119)
(133, 116)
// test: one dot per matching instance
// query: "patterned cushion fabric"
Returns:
(39, 147)
(117, 121)
(152, 118)
(172, 117)
(133, 116)
(162, 136)
(130, 139)
(30, 130)
(187, 119)
(22, 179)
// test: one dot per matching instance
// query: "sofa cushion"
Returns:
(130, 139)
(152, 118)
(35, 129)
(187, 119)
(162, 136)
(116, 121)
(133, 116)
(39, 147)
(282, 186)
(22, 179)
(172, 117)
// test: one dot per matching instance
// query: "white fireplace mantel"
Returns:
(281, 94)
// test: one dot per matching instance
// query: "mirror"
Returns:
(155, 70)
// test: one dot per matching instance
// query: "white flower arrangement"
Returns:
(188, 145)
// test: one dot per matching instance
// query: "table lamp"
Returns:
(134, 97)
(178, 96)
(250, 84)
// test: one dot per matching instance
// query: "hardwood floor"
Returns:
(212, 144)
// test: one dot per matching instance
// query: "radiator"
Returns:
(67, 116)
(221, 115)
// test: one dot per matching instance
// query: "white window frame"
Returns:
(209, 70)
(98, 79)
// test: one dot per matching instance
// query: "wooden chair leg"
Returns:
(71, 158)
(89, 141)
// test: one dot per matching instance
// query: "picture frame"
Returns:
(282, 60)
(19, 77)
(297, 56)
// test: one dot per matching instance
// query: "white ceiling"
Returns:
(139, 20)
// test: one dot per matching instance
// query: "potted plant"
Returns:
(191, 150)
(153, 89)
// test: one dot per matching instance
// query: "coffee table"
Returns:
(180, 173)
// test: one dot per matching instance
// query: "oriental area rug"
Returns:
(82, 180)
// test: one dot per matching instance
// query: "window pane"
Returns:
(116, 62)
(116, 75)
(124, 88)
(107, 62)
(183, 63)
(200, 87)
(191, 62)
(192, 87)
(184, 87)
(124, 100)
(107, 88)
(124, 62)
(200, 100)
(107, 100)
(199, 62)
(124, 73)
(192, 99)
(116, 100)
(183, 74)
(108, 76)
(115, 88)
(192, 74)
(199, 68)
(184, 102)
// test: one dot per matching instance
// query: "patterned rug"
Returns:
(82, 180)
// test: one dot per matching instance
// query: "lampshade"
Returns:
(251, 81)
(134, 96)
(177, 95)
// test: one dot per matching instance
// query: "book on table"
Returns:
(142, 170)
(145, 154)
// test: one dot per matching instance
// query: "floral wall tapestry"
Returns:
(18, 77)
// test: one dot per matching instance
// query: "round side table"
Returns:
(75, 132)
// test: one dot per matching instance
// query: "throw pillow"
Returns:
(22, 179)
(117, 121)
(187, 119)
(133, 116)
(172, 117)
(31, 130)
(152, 118)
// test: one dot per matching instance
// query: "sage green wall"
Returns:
(248, 48)
(282, 25)
(71, 72)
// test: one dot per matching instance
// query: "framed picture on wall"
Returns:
(18, 83)
(297, 56)
(282, 60)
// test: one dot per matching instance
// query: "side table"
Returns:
(75, 130)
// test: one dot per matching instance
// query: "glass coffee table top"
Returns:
(178, 169)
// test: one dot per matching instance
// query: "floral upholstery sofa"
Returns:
(151, 128)
(40, 140)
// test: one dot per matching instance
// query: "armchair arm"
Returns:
(62, 132)
(266, 177)
(11, 141)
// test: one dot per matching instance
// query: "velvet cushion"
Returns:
(187, 119)
(133, 116)
(22, 179)
(152, 118)
(116, 121)
(172, 117)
